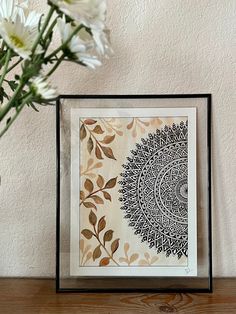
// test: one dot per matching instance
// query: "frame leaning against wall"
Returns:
(65, 283)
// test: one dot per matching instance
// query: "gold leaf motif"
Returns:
(143, 262)
(108, 139)
(81, 245)
(87, 248)
(108, 152)
(92, 218)
(106, 195)
(108, 236)
(97, 252)
(89, 255)
(104, 261)
(98, 130)
(82, 195)
(83, 132)
(133, 258)
(114, 246)
(111, 183)
(123, 260)
(98, 165)
(97, 199)
(90, 145)
(89, 205)
(130, 125)
(126, 247)
(89, 121)
(154, 259)
(88, 184)
(87, 234)
(89, 163)
(100, 181)
(101, 224)
(98, 152)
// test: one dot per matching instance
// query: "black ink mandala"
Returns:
(155, 190)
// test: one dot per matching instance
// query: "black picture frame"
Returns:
(59, 288)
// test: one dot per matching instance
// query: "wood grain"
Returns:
(29, 296)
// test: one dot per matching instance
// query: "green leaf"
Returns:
(13, 85)
(3, 95)
(33, 106)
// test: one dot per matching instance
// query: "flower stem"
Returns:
(19, 109)
(14, 65)
(4, 110)
(46, 22)
(8, 57)
(77, 29)
(56, 65)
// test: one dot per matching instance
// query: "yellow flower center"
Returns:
(17, 41)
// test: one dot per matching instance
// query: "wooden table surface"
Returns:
(29, 296)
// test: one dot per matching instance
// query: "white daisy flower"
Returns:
(19, 37)
(77, 49)
(9, 9)
(91, 13)
(102, 40)
(42, 89)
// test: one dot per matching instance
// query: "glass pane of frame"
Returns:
(133, 193)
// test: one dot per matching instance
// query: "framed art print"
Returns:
(133, 193)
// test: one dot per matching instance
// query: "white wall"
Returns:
(161, 46)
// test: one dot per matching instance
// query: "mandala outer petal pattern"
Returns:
(154, 190)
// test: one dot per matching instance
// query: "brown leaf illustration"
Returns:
(92, 218)
(154, 259)
(111, 183)
(100, 181)
(97, 199)
(130, 125)
(123, 260)
(88, 184)
(89, 255)
(83, 132)
(108, 236)
(108, 139)
(144, 122)
(82, 195)
(133, 258)
(81, 245)
(143, 262)
(90, 162)
(98, 152)
(147, 256)
(97, 252)
(104, 261)
(126, 247)
(114, 245)
(98, 165)
(108, 152)
(90, 121)
(106, 195)
(89, 205)
(90, 145)
(101, 224)
(87, 233)
(120, 133)
(87, 248)
(98, 130)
